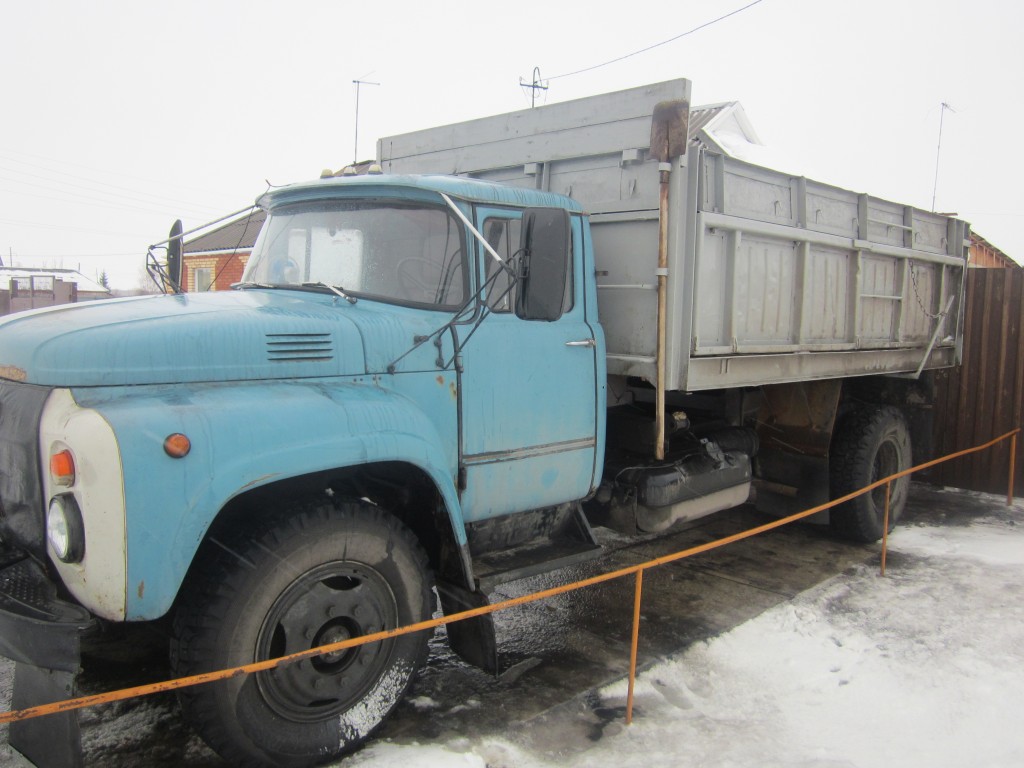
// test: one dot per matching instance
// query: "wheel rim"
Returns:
(331, 603)
(887, 462)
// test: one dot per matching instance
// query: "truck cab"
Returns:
(407, 364)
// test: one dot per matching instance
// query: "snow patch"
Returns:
(423, 703)
(359, 720)
(383, 755)
(921, 667)
(986, 540)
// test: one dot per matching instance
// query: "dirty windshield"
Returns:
(403, 253)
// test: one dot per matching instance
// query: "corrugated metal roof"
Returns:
(701, 116)
(239, 234)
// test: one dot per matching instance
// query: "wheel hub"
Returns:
(329, 604)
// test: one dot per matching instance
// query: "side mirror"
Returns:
(545, 242)
(174, 247)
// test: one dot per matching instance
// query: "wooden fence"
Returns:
(984, 398)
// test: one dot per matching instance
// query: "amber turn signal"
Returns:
(177, 446)
(62, 468)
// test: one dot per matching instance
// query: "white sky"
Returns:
(116, 117)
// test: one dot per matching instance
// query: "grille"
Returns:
(21, 503)
(299, 347)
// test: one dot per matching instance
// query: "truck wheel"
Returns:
(311, 575)
(872, 443)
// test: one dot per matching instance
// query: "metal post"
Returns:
(938, 151)
(355, 151)
(1013, 469)
(636, 639)
(885, 524)
(664, 170)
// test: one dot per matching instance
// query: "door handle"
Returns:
(584, 343)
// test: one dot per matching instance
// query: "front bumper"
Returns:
(41, 634)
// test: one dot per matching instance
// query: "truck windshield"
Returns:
(392, 251)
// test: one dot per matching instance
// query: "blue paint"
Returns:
(247, 435)
(208, 337)
(523, 388)
(271, 384)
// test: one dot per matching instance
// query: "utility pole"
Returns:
(536, 85)
(938, 152)
(355, 152)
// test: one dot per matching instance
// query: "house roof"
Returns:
(65, 275)
(710, 119)
(237, 235)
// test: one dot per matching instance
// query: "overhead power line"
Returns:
(93, 171)
(705, 25)
(79, 200)
(97, 195)
(92, 184)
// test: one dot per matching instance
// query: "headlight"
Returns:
(64, 529)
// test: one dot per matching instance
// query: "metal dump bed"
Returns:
(772, 277)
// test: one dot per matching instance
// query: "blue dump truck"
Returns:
(440, 376)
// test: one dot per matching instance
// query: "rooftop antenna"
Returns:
(536, 85)
(938, 152)
(359, 82)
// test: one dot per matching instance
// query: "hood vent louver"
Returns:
(299, 347)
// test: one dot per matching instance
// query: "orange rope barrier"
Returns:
(263, 666)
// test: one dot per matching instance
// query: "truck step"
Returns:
(560, 537)
(522, 562)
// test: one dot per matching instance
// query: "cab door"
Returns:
(529, 390)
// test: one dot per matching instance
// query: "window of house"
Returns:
(203, 279)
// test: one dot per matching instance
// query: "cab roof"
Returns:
(425, 187)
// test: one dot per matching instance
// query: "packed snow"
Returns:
(923, 667)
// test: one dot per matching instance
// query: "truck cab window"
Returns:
(405, 253)
(500, 234)
(503, 237)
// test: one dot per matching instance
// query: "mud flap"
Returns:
(41, 634)
(473, 640)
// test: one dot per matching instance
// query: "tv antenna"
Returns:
(536, 85)
(938, 152)
(358, 83)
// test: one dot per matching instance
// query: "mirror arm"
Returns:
(476, 233)
(239, 212)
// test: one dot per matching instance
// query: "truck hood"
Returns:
(206, 337)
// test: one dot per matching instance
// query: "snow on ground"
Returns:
(924, 667)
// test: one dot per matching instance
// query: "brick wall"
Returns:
(225, 269)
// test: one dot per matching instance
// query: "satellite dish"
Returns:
(174, 246)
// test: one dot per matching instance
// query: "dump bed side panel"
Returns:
(789, 266)
(772, 277)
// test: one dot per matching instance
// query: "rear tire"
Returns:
(871, 444)
(309, 576)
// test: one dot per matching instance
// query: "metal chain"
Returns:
(917, 295)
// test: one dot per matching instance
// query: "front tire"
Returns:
(871, 444)
(309, 576)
